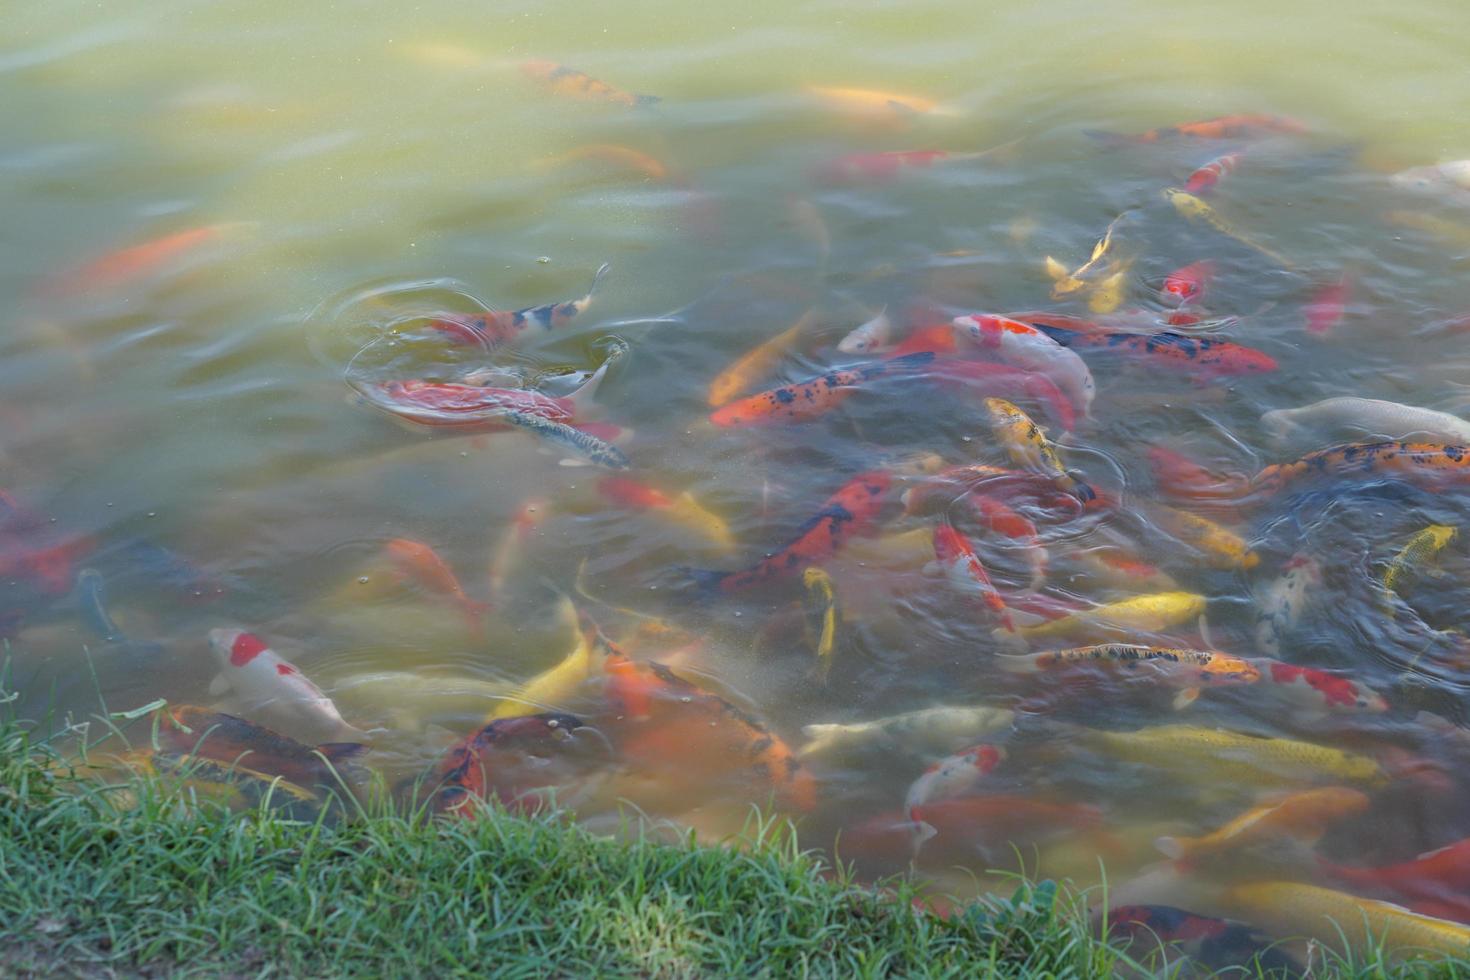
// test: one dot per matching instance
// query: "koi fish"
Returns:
(1330, 916)
(1239, 126)
(998, 516)
(1111, 290)
(1027, 445)
(1025, 346)
(1415, 461)
(229, 784)
(470, 769)
(854, 168)
(528, 517)
(962, 568)
(822, 616)
(1233, 758)
(970, 824)
(473, 408)
(941, 729)
(1219, 546)
(1195, 210)
(492, 329)
(809, 399)
(942, 489)
(953, 776)
(569, 82)
(876, 104)
(1217, 943)
(223, 738)
(1303, 816)
(1452, 178)
(1209, 355)
(578, 441)
(1203, 180)
(868, 337)
(1280, 605)
(1122, 569)
(1325, 309)
(1423, 547)
(683, 510)
(937, 338)
(1317, 691)
(1008, 382)
(612, 153)
(1146, 612)
(1187, 283)
(1190, 670)
(552, 687)
(1440, 878)
(1387, 420)
(136, 262)
(668, 725)
(1066, 283)
(756, 363)
(414, 561)
(849, 511)
(265, 683)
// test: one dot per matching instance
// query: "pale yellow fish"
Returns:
(554, 687)
(1145, 612)
(877, 104)
(1195, 209)
(1111, 290)
(1423, 547)
(1220, 546)
(755, 364)
(688, 512)
(1233, 759)
(1063, 282)
(822, 617)
(1290, 909)
(1026, 444)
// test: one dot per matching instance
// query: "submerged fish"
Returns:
(1328, 304)
(1420, 549)
(1385, 419)
(1196, 210)
(578, 441)
(1424, 462)
(1281, 603)
(1147, 612)
(683, 510)
(1302, 816)
(1024, 346)
(866, 338)
(471, 769)
(1204, 179)
(415, 561)
(492, 329)
(806, 400)
(849, 511)
(1209, 356)
(222, 738)
(265, 683)
(855, 168)
(1027, 445)
(1449, 180)
(1187, 283)
(616, 154)
(1216, 943)
(553, 687)
(1243, 125)
(509, 552)
(998, 516)
(875, 103)
(1436, 882)
(134, 262)
(939, 729)
(1294, 909)
(962, 567)
(1219, 546)
(1313, 692)
(1189, 670)
(954, 775)
(561, 80)
(822, 615)
(1006, 381)
(755, 364)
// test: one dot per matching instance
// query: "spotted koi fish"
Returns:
(1205, 355)
(469, 770)
(807, 400)
(205, 734)
(1203, 180)
(1423, 547)
(962, 567)
(1429, 462)
(849, 511)
(493, 329)
(1189, 670)
(569, 82)
(578, 441)
(1239, 126)
(1028, 447)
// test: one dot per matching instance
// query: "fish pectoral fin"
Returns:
(219, 686)
(1204, 632)
(1185, 698)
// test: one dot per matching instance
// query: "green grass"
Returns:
(89, 887)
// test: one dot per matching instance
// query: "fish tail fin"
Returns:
(1187, 696)
(921, 832)
(909, 362)
(582, 397)
(1173, 848)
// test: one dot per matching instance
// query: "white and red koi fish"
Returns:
(1203, 180)
(492, 329)
(1316, 692)
(266, 684)
(961, 566)
(953, 776)
(1187, 283)
(1025, 346)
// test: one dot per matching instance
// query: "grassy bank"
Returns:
(88, 887)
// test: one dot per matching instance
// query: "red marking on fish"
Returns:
(1203, 180)
(630, 493)
(1187, 283)
(247, 647)
(285, 669)
(1328, 304)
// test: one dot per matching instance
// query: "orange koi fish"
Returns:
(136, 261)
(417, 562)
(1203, 180)
(937, 338)
(528, 517)
(492, 329)
(668, 726)
(961, 566)
(1240, 126)
(569, 82)
(809, 399)
(754, 364)
(1187, 283)
(1206, 355)
(1428, 462)
(849, 511)
(1436, 883)
(480, 766)
(222, 738)
(998, 516)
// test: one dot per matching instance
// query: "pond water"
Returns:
(232, 229)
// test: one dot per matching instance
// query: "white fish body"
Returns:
(1388, 420)
(868, 337)
(1023, 346)
(268, 686)
(939, 729)
(954, 775)
(1452, 178)
(1279, 606)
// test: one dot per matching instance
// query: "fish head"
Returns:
(1230, 670)
(235, 647)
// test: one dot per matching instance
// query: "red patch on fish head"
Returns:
(285, 669)
(247, 647)
(986, 758)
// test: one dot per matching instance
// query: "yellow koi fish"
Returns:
(1423, 547)
(1293, 909)
(551, 688)
(1221, 547)
(755, 364)
(1217, 756)
(1026, 444)
(1145, 612)
(1111, 290)
(1303, 816)
(1196, 210)
(877, 104)
(822, 615)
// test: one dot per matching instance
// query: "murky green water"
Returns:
(357, 170)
